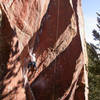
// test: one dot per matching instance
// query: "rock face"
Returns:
(54, 29)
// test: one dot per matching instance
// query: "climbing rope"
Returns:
(57, 30)
(58, 5)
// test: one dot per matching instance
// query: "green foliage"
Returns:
(94, 64)
(93, 73)
(96, 33)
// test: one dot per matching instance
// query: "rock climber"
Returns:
(32, 62)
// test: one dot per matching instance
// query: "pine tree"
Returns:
(93, 50)
(93, 73)
(96, 35)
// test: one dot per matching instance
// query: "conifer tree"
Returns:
(96, 35)
(93, 50)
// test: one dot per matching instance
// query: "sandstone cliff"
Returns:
(55, 31)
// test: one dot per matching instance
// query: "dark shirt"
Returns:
(31, 64)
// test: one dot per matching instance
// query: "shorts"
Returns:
(31, 64)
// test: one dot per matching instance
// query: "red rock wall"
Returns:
(52, 28)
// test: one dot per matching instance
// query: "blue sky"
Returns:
(90, 7)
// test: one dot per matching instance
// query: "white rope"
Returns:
(57, 30)
(57, 24)
(58, 4)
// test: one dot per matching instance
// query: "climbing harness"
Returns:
(31, 64)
